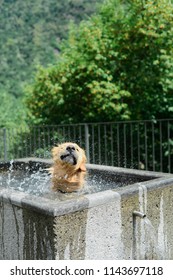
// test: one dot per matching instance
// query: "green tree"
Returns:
(144, 63)
(115, 66)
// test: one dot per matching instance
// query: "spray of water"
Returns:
(147, 241)
(39, 183)
(152, 250)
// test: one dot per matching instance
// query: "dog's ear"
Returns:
(82, 167)
(54, 151)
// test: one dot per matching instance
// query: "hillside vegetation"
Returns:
(30, 33)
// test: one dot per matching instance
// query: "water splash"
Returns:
(152, 250)
(147, 245)
(162, 236)
(97, 183)
(9, 179)
(39, 183)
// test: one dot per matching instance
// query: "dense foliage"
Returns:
(12, 112)
(117, 65)
(30, 35)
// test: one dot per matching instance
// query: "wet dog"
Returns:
(68, 170)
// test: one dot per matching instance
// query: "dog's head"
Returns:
(71, 155)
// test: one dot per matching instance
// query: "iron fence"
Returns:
(144, 145)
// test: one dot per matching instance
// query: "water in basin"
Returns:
(39, 183)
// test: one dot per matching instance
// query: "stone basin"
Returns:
(99, 222)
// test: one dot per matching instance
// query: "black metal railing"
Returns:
(144, 145)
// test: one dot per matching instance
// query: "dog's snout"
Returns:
(70, 148)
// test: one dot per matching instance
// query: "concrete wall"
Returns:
(97, 226)
(25, 234)
(109, 232)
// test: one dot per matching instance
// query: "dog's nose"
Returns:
(70, 148)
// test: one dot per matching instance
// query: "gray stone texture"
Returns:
(93, 226)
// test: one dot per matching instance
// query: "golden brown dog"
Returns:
(68, 170)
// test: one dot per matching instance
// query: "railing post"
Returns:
(5, 143)
(87, 142)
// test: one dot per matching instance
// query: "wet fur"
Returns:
(68, 177)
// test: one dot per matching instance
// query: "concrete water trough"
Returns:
(120, 214)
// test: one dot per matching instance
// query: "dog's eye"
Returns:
(77, 149)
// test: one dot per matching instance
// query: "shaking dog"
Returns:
(68, 170)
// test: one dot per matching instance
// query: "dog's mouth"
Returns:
(69, 158)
